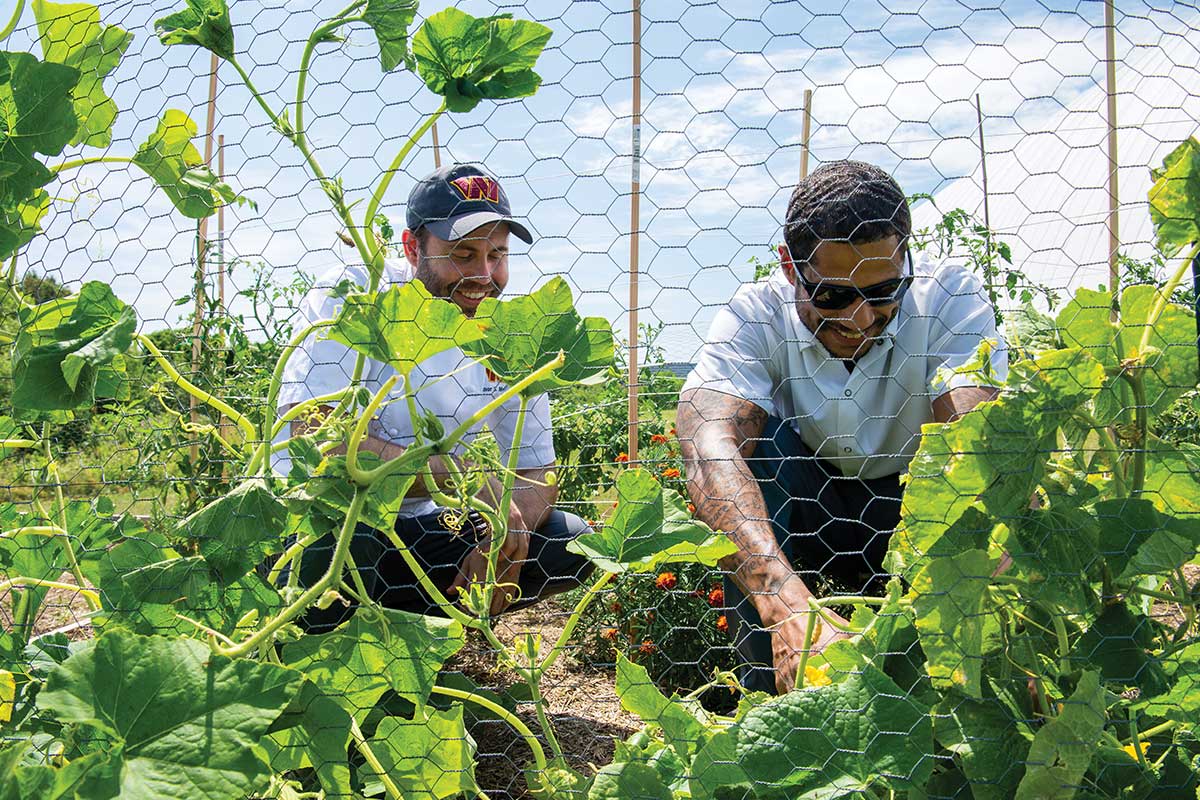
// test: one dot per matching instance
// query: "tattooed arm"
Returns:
(717, 433)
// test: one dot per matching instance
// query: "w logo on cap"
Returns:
(477, 187)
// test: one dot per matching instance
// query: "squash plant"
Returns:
(1014, 654)
(200, 682)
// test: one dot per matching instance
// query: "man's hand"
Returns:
(787, 618)
(512, 555)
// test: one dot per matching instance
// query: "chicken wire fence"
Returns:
(1042, 648)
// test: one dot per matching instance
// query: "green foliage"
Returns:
(525, 333)
(430, 757)
(468, 59)
(37, 117)
(390, 19)
(651, 527)
(170, 158)
(204, 23)
(72, 34)
(1175, 198)
(402, 326)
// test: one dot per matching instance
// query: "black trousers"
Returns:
(548, 570)
(833, 529)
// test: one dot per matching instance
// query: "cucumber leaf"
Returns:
(37, 116)
(185, 722)
(170, 158)
(67, 350)
(639, 695)
(390, 19)
(948, 605)
(204, 23)
(371, 653)
(629, 779)
(21, 222)
(467, 59)
(431, 756)
(402, 326)
(525, 333)
(1175, 198)
(313, 732)
(1117, 644)
(650, 527)
(1063, 748)
(72, 34)
(238, 530)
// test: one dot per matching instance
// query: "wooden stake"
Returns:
(805, 133)
(634, 226)
(437, 154)
(989, 274)
(1114, 204)
(201, 246)
(221, 228)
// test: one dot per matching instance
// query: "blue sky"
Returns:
(894, 83)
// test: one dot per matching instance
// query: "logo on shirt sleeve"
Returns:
(477, 187)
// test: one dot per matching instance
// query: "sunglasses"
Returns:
(832, 297)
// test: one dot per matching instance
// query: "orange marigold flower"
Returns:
(666, 581)
(623, 458)
(610, 634)
(670, 472)
(691, 509)
(673, 431)
(722, 624)
(716, 597)
(616, 606)
(647, 647)
(658, 438)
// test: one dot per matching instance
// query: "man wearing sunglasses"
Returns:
(806, 406)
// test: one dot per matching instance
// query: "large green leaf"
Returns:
(627, 781)
(1055, 549)
(373, 652)
(838, 739)
(204, 23)
(313, 732)
(65, 347)
(238, 530)
(639, 695)
(987, 741)
(390, 19)
(650, 527)
(1063, 748)
(1182, 702)
(994, 456)
(430, 757)
(1175, 198)
(402, 326)
(185, 722)
(36, 116)
(525, 333)
(170, 158)
(949, 597)
(466, 59)
(21, 222)
(72, 34)
(1173, 477)
(1117, 643)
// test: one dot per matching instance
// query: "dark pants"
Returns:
(549, 568)
(833, 529)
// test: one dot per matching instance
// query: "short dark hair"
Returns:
(844, 201)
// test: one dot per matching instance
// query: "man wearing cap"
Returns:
(807, 401)
(456, 243)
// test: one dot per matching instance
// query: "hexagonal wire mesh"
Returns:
(979, 670)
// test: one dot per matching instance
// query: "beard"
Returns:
(443, 289)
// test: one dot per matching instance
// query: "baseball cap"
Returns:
(455, 200)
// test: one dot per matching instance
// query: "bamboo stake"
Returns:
(805, 133)
(990, 268)
(1114, 240)
(634, 226)
(221, 228)
(437, 154)
(201, 246)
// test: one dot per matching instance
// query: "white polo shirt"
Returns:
(322, 366)
(867, 421)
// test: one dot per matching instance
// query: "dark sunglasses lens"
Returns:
(886, 293)
(829, 298)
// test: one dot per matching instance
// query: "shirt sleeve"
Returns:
(537, 439)
(320, 366)
(734, 358)
(966, 318)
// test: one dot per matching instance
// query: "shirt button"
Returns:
(849, 393)
(848, 450)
